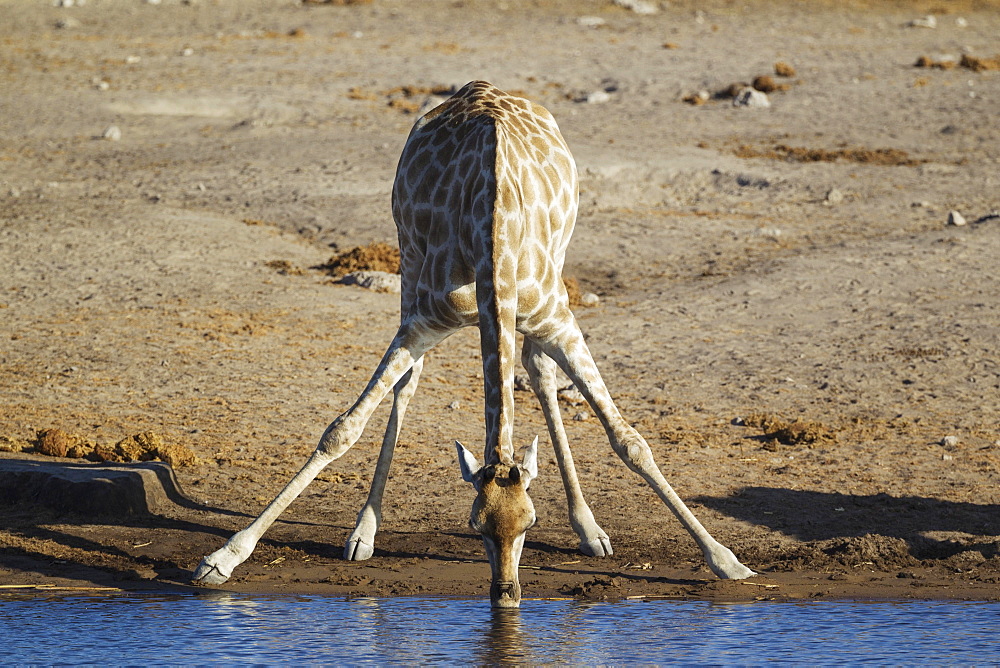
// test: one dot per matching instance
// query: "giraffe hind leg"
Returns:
(361, 543)
(594, 542)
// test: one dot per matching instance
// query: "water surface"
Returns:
(227, 628)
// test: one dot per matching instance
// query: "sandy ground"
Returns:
(789, 263)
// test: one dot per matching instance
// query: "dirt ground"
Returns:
(755, 267)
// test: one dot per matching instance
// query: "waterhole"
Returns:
(236, 628)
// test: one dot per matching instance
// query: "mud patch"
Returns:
(886, 157)
(376, 256)
(880, 552)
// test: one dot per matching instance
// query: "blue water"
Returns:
(236, 628)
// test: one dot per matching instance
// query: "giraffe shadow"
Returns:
(820, 516)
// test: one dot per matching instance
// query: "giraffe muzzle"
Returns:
(505, 595)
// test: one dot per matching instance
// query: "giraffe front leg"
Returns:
(594, 542)
(217, 567)
(570, 351)
(361, 543)
(411, 342)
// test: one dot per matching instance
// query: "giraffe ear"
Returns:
(529, 463)
(468, 463)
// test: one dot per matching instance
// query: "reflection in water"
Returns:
(218, 627)
(504, 642)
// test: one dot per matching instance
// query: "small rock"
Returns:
(961, 22)
(699, 98)
(112, 133)
(132, 60)
(590, 21)
(379, 281)
(187, 51)
(67, 23)
(923, 22)
(522, 383)
(598, 97)
(638, 6)
(769, 233)
(834, 196)
(922, 204)
(955, 218)
(455, 405)
(582, 416)
(100, 84)
(751, 99)
(949, 441)
(738, 421)
(570, 395)
(590, 299)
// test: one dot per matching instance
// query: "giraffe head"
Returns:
(502, 513)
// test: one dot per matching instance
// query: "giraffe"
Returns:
(485, 200)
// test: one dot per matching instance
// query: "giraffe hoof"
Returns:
(207, 573)
(358, 549)
(597, 547)
(724, 564)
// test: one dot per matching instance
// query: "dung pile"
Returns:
(376, 256)
(780, 431)
(143, 447)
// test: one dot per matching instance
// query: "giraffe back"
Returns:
(484, 166)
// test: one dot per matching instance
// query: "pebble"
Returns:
(112, 133)
(598, 97)
(638, 6)
(923, 22)
(590, 299)
(67, 23)
(582, 416)
(455, 405)
(955, 218)
(379, 281)
(522, 383)
(751, 99)
(590, 21)
(570, 395)
(949, 441)
(701, 97)
(834, 196)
